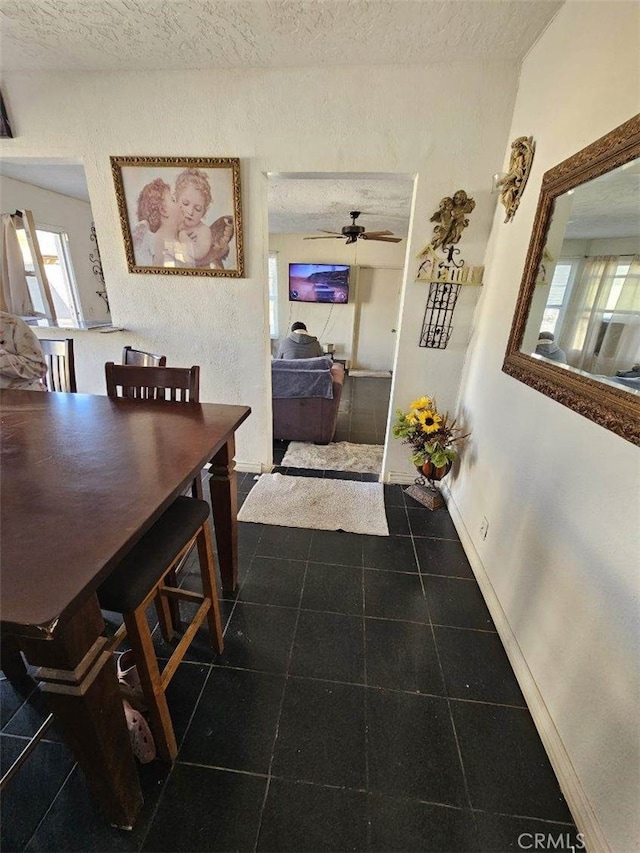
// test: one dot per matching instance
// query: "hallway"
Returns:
(363, 702)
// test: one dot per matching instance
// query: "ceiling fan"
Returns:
(355, 232)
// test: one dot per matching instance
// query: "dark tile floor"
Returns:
(362, 414)
(363, 702)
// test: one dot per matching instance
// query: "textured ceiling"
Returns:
(118, 35)
(306, 204)
(608, 206)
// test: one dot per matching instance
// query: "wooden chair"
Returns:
(172, 384)
(140, 579)
(140, 358)
(61, 373)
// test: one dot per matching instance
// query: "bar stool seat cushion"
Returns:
(144, 566)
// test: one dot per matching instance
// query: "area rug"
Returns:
(341, 456)
(313, 502)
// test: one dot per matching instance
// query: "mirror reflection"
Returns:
(585, 311)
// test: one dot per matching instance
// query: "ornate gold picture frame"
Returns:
(614, 408)
(180, 215)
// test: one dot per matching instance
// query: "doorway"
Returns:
(310, 217)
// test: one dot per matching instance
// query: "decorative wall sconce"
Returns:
(452, 219)
(445, 274)
(511, 186)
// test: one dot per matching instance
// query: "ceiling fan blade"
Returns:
(328, 237)
(324, 231)
(378, 234)
(381, 239)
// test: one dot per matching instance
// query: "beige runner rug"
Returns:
(338, 456)
(316, 503)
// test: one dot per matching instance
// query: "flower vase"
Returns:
(431, 472)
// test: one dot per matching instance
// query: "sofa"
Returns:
(306, 397)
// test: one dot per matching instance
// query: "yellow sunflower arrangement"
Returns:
(428, 432)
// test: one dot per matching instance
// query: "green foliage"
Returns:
(428, 432)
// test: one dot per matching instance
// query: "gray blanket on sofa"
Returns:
(302, 383)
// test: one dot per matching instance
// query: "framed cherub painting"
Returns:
(180, 215)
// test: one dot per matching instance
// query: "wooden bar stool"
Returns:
(139, 580)
(163, 384)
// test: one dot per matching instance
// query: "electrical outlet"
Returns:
(484, 527)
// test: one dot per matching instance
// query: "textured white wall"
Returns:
(561, 493)
(331, 324)
(74, 216)
(447, 124)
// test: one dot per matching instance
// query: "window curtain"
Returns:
(14, 292)
(601, 331)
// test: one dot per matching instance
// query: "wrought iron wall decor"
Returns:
(512, 185)
(445, 274)
(96, 262)
(5, 125)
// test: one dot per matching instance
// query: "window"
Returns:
(54, 248)
(273, 294)
(559, 291)
(610, 330)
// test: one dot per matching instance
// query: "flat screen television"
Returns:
(319, 283)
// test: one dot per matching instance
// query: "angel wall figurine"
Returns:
(513, 184)
(452, 219)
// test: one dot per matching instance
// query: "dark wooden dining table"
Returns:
(82, 478)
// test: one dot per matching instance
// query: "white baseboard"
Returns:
(399, 478)
(249, 467)
(575, 795)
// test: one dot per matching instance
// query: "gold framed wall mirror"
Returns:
(576, 329)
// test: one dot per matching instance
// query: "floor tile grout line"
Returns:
(361, 685)
(220, 768)
(279, 717)
(52, 803)
(195, 706)
(154, 810)
(424, 591)
(24, 702)
(453, 729)
(366, 707)
(523, 817)
(447, 699)
(267, 605)
(395, 797)
(350, 788)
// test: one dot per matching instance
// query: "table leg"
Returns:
(11, 662)
(79, 679)
(224, 503)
